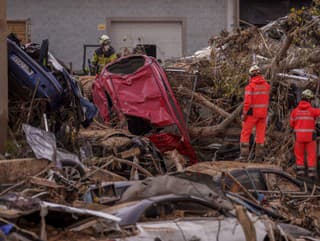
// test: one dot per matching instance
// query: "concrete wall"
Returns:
(71, 23)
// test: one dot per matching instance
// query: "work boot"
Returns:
(259, 153)
(300, 171)
(244, 152)
(312, 172)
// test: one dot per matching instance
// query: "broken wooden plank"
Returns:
(246, 223)
(135, 151)
(44, 182)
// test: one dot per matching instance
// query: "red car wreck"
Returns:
(137, 89)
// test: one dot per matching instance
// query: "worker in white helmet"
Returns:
(104, 54)
(255, 110)
(303, 121)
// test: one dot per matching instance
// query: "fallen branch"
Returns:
(129, 163)
(217, 129)
(275, 62)
(228, 174)
(204, 101)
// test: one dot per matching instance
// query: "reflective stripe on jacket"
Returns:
(101, 58)
(303, 121)
(256, 97)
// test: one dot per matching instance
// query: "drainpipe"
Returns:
(3, 76)
(236, 14)
(232, 13)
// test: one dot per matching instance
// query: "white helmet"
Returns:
(254, 69)
(308, 94)
(104, 39)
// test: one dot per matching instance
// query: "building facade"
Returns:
(172, 28)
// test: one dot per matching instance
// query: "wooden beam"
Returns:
(3, 76)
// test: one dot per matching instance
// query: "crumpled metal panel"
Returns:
(137, 94)
(166, 184)
(43, 145)
(68, 209)
(144, 93)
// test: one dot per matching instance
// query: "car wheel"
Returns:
(72, 170)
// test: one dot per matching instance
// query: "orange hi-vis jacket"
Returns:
(256, 97)
(303, 121)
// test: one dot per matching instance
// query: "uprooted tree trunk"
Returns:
(275, 65)
(297, 62)
(204, 101)
(210, 131)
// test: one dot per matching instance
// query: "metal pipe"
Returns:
(295, 77)
(45, 120)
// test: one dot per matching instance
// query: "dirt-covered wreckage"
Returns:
(128, 174)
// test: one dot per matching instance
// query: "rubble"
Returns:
(211, 88)
(126, 174)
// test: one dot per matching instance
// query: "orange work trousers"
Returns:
(300, 148)
(249, 124)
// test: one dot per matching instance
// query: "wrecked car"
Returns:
(197, 186)
(183, 217)
(256, 186)
(255, 177)
(35, 73)
(173, 217)
(260, 187)
(137, 90)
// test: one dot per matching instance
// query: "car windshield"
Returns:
(173, 209)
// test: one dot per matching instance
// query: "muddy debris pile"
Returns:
(210, 84)
(243, 199)
(144, 149)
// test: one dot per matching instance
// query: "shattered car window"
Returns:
(251, 180)
(127, 66)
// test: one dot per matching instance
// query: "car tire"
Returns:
(72, 170)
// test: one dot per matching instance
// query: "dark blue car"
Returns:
(35, 69)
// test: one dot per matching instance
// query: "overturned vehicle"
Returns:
(40, 84)
(137, 90)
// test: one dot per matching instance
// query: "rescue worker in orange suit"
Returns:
(303, 121)
(255, 111)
